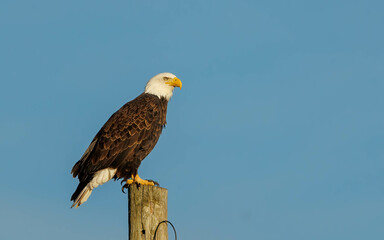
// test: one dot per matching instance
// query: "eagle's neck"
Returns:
(159, 89)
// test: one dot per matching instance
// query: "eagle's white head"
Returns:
(162, 85)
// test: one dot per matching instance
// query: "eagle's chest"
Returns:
(142, 138)
(132, 161)
(148, 143)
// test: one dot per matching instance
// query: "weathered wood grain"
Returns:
(147, 206)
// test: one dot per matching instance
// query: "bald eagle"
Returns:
(126, 139)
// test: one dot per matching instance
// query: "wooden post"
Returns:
(147, 207)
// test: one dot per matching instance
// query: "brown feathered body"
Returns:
(124, 141)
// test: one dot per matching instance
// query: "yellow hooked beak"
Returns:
(174, 82)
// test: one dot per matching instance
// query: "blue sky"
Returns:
(277, 133)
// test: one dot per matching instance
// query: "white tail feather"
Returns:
(99, 178)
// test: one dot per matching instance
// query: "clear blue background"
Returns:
(278, 132)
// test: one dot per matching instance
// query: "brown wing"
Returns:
(131, 131)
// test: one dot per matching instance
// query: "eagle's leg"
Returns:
(130, 181)
(136, 179)
(140, 181)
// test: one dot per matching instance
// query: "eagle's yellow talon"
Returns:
(136, 179)
(129, 181)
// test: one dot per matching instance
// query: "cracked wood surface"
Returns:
(147, 207)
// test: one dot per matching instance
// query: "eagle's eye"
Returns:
(166, 78)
